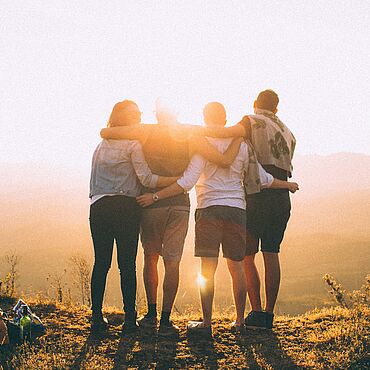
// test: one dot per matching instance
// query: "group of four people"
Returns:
(239, 204)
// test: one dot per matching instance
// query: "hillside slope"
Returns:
(333, 338)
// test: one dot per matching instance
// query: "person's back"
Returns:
(268, 212)
(273, 141)
(113, 170)
(220, 219)
(167, 155)
(222, 186)
(164, 225)
(117, 168)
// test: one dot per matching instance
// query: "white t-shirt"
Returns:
(220, 186)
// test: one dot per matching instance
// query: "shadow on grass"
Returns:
(6, 353)
(262, 349)
(92, 341)
(166, 353)
(146, 351)
(204, 352)
(123, 356)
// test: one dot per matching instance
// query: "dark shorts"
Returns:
(267, 217)
(217, 225)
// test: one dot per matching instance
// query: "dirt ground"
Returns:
(332, 338)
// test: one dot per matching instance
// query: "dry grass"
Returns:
(336, 338)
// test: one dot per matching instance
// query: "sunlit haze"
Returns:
(64, 64)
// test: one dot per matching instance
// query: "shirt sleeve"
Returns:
(143, 172)
(192, 173)
(266, 178)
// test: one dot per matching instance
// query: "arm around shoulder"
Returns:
(223, 132)
(203, 147)
(137, 132)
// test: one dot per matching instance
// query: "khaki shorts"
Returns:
(163, 231)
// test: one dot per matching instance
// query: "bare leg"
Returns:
(150, 274)
(253, 282)
(170, 284)
(208, 269)
(239, 288)
(272, 279)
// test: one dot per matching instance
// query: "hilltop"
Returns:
(334, 338)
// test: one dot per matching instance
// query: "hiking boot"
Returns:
(168, 329)
(269, 320)
(237, 329)
(148, 322)
(99, 323)
(256, 320)
(196, 330)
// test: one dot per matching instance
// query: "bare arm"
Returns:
(147, 199)
(136, 132)
(203, 147)
(184, 184)
(222, 132)
(280, 184)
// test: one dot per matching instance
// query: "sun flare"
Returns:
(201, 280)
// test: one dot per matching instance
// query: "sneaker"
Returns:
(256, 320)
(269, 320)
(129, 327)
(99, 323)
(195, 329)
(237, 329)
(148, 322)
(168, 330)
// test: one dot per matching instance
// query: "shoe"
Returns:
(168, 330)
(129, 327)
(195, 329)
(99, 323)
(256, 320)
(269, 320)
(237, 329)
(148, 322)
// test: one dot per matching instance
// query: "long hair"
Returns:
(112, 122)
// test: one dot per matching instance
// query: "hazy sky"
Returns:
(64, 64)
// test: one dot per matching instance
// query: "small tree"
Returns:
(346, 299)
(12, 260)
(336, 290)
(56, 281)
(81, 275)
